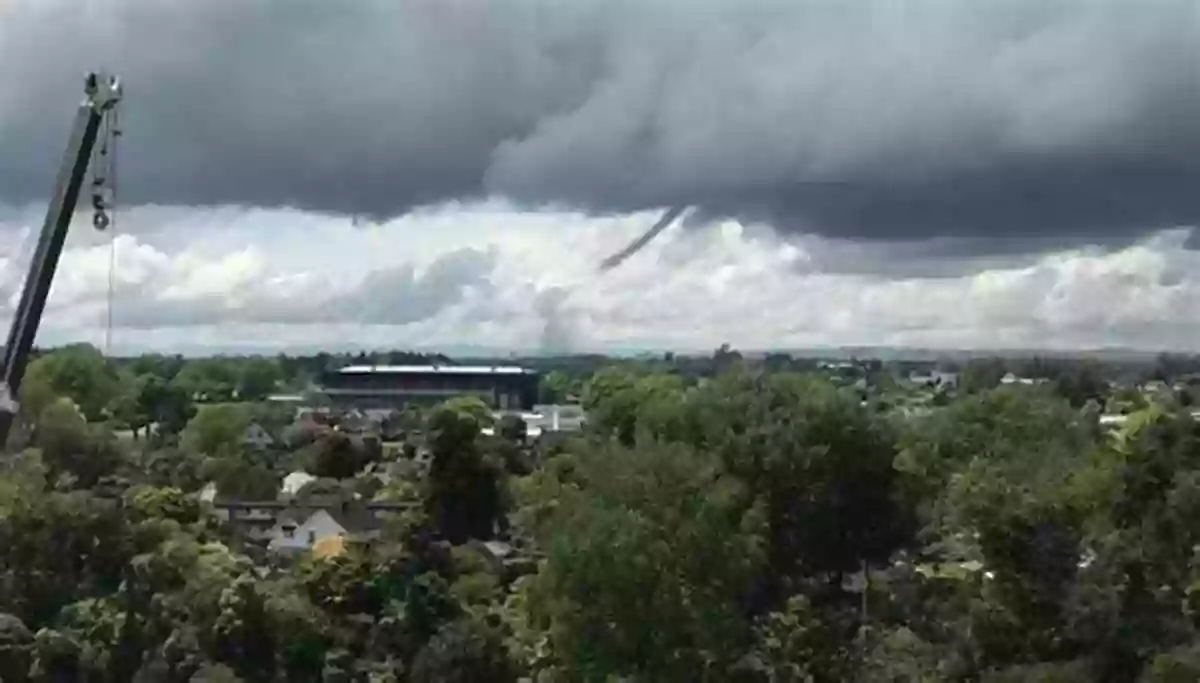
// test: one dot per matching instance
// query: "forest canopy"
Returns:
(747, 521)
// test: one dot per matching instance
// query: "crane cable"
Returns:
(104, 190)
(114, 133)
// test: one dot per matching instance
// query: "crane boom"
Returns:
(101, 95)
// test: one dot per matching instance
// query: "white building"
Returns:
(1010, 378)
(294, 481)
(557, 418)
(935, 378)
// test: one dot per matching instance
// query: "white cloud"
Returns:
(489, 276)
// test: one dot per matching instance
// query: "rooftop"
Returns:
(426, 369)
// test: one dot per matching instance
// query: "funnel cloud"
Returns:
(635, 246)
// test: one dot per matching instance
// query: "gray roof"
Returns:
(355, 518)
(442, 369)
(281, 505)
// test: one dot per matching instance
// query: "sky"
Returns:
(452, 173)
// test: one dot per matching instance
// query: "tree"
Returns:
(35, 396)
(1020, 426)
(982, 374)
(799, 643)
(619, 402)
(758, 525)
(464, 651)
(169, 407)
(471, 407)
(156, 364)
(56, 548)
(1029, 538)
(1179, 665)
(464, 488)
(151, 400)
(123, 408)
(650, 551)
(240, 479)
(215, 673)
(1145, 492)
(1125, 401)
(216, 430)
(508, 445)
(80, 372)
(208, 379)
(337, 456)
(69, 445)
(823, 463)
(16, 649)
(1082, 383)
(513, 429)
(556, 386)
(725, 358)
(173, 467)
(257, 378)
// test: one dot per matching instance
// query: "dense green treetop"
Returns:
(719, 518)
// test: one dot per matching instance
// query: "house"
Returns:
(554, 418)
(256, 437)
(250, 520)
(1010, 378)
(295, 531)
(1112, 420)
(391, 427)
(935, 378)
(387, 472)
(289, 526)
(306, 430)
(355, 422)
(288, 399)
(319, 416)
(294, 481)
(507, 559)
(208, 493)
(1154, 386)
(300, 529)
(329, 547)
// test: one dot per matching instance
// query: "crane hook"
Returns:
(104, 168)
(100, 218)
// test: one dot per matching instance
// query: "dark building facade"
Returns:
(394, 386)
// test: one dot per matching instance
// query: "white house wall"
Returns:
(320, 525)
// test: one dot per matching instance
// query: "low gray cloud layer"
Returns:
(396, 296)
(509, 280)
(1018, 121)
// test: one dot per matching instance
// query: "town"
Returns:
(482, 341)
(475, 484)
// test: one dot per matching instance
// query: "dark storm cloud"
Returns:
(1018, 121)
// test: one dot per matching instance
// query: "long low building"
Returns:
(502, 387)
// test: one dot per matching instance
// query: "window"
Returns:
(289, 531)
(312, 537)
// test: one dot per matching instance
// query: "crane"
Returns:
(95, 121)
